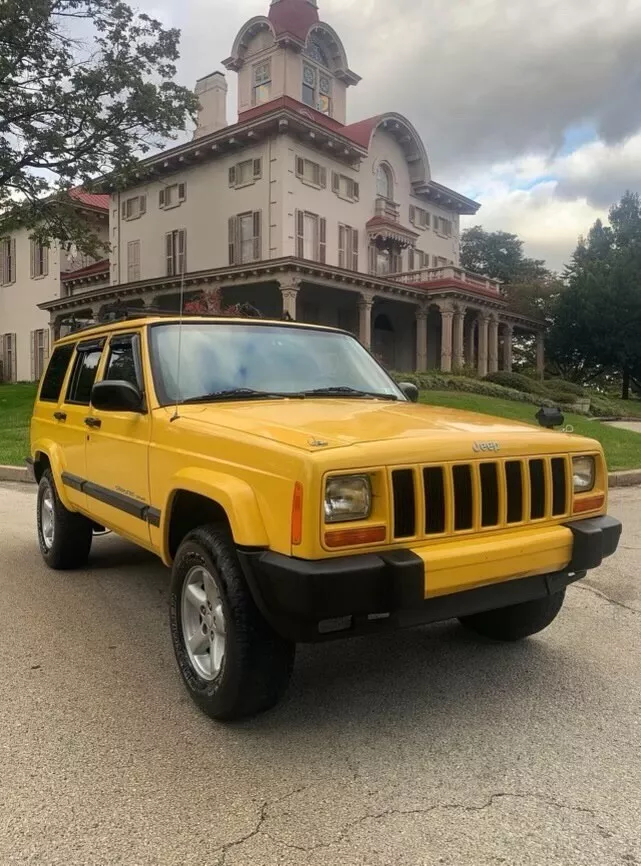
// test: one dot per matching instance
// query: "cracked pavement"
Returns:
(415, 749)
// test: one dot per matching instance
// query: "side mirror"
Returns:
(116, 396)
(550, 418)
(410, 390)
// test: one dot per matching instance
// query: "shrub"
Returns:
(560, 386)
(436, 381)
(601, 407)
(517, 381)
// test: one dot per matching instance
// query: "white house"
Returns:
(296, 211)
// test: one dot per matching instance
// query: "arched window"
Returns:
(384, 182)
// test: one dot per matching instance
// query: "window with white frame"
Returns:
(311, 236)
(418, 260)
(345, 187)
(133, 261)
(384, 182)
(172, 196)
(347, 248)
(384, 261)
(39, 260)
(8, 357)
(440, 262)
(176, 252)
(245, 238)
(7, 261)
(134, 207)
(311, 172)
(39, 353)
(245, 173)
(443, 226)
(317, 88)
(262, 86)
(419, 217)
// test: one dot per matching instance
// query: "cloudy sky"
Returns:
(533, 107)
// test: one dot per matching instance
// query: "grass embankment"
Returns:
(622, 447)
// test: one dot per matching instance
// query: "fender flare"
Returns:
(54, 454)
(234, 496)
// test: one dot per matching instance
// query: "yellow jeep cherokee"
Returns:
(298, 494)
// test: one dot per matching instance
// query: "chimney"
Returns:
(212, 94)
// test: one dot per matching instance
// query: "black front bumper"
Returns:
(309, 601)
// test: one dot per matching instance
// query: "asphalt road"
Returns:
(422, 748)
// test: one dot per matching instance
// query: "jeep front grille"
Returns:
(473, 497)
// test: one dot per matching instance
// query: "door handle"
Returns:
(93, 422)
(60, 416)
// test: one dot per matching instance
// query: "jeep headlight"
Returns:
(348, 497)
(583, 474)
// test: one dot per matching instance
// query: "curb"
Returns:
(20, 474)
(631, 478)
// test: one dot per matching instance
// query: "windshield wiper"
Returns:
(241, 394)
(345, 391)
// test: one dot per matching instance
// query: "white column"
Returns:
(459, 338)
(494, 345)
(421, 339)
(365, 320)
(483, 341)
(447, 320)
(540, 354)
(289, 289)
(508, 336)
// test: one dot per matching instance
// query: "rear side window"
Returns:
(56, 372)
(84, 375)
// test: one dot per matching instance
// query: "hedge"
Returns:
(434, 381)
(517, 381)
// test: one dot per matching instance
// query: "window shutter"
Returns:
(4, 264)
(300, 166)
(3, 360)
(182, 251)
(34, 348)
(356, 190)
(336, 182)
(372, 258)
(14, 262)
(45, 348)
(300, 234)
(258, 169)
(33, 258)
(322, 177)
(411, 264)
(355, 249)
(45, 261)
(232, 176)
(182, 191)
(14, 359)
(257, 236)
(169, 253)
(322, 241)
(412, 215)
(232, 240)
(161, 198)
(123, 210)
(143, 205)
(341, 246)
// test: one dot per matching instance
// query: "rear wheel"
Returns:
(516, 622)
(233, 663)
(64, 537)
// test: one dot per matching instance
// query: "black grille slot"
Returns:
(489, 494)
(514, 482)
(434, 482)
(463, 498)
(559, 487)
(537, 489)
(404, 503)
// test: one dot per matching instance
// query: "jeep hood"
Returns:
(320, 424)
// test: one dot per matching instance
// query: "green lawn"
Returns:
(622, 447)
(16, 402)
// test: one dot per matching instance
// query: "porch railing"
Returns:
(430, 275)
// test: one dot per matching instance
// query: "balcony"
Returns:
(457, 277)
(387, 209)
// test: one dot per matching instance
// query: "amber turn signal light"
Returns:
(589, 503)
(354, 537)
(297, 514)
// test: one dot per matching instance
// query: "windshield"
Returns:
(217, 358)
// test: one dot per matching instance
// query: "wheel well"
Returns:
(188, 511)
(40, 465)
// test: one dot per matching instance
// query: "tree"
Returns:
(499, 255)
(86, 88)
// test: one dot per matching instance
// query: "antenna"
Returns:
(176, 416)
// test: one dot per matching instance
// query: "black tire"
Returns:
(516, 622)
(72, 533)
(257, 663)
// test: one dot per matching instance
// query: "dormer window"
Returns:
(317, 88)
(384, 182)
(262, 83)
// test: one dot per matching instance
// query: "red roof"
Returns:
(293, 16)
(91, 270)
(294, 105)
(101, 202)
(361, 132)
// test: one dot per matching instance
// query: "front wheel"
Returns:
(64, 537)
(518, 621)
(233, 663)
